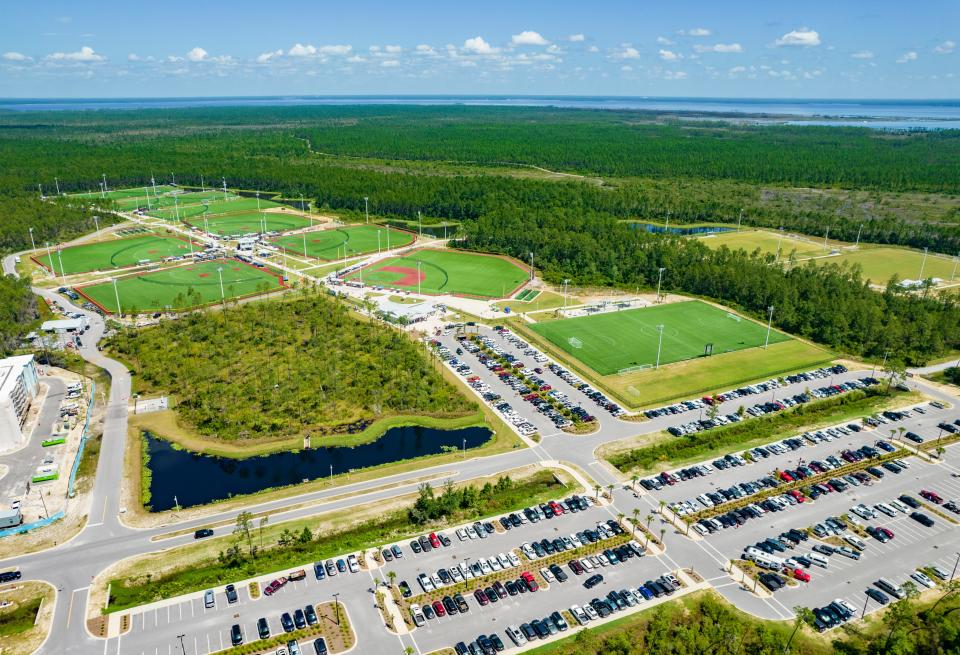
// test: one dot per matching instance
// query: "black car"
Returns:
(461, 603)
(311, 615)
(318, 570)
(415, 546)
(910, 500)
(878, 596)
(300, 619)
(236, 635)
(593, 581)
(286, 622)
(263, 628)
(405, 590)
(320, 646)
(10, 576)
(542, 631)
(922, 519)
(203, 532)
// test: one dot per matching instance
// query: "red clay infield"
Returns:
(410, 275)
(203, 275)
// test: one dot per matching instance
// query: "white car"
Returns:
(471, 532)
(456, 574)
(462, 534)
(425, 582)
(923, 579)
(514, 560)
(504, 562)
(516, 636)
(528, 551)
(579, 614)
(591, 613)
(485, 566)
(547, 575)
(353, 564)
(494, 564)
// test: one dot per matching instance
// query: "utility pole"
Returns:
(96, 222)
(57, 183)
(859, 230)
(336, 604)
(659, 282)
(366, 207)
(923, 263)
(769, 323)
(33, 245)
(659, 345)
(565, 282)
(116, 294)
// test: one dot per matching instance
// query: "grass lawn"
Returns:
(447, 271)
(189, 204)
(120, 194)
(359, 239)
(146, 199)
(542, 301)
(766, 241)
(181, 287)
(113, 253)
(247, 222)
(880, 264)
(612, 341)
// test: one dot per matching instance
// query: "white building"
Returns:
(18, 387)
(63, 325)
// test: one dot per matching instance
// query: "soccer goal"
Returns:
(575, 342)
(634, 369)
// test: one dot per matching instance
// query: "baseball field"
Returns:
(113, 253)
(180, 287)
(358, 240)
(447, 272)
(190, 204)
(247, 222)
(615, 341)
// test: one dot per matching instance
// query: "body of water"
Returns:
(196, 479)
(884, 114)
(680, 229)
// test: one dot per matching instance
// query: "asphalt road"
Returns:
(105, 540)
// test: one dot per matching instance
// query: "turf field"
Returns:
(119, 194)
(191, 206)
(447, 271)
(613, 341)
(182, 286)
(880, 264)
(767, 242)
(247, 222)
(113, 253)
(169, 199)
(360, 239)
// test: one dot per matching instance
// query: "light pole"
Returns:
(223, 297)
(779, 241)
(182, 647)
(419, 224)
(262, 224)
(304, 244)
(33, 245)
(57, 183)
(659, 282)
(105, 188)
(336, 604)
(531, 259)
(825, 237)
(857, 244)
(53, 267)
(766, 341)
(565, 283)
(659, 345)
(739, 220)
(366, 207)
(884, 363)
(953, 276)
(96, 222)
(666, 229)
(60, 259)
(954, 572)
(418, 277)
(116, 294)
(378, 241)
(923, 263)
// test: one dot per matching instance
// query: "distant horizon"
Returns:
(486, 95)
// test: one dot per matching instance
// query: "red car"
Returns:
(801, 575)
(275, 586)
(438, 608)
(481, 597)
(799, 497)
(528, 578)
(434, 540)
(886, 531)
(786, 477)
(555, 507)
(931, 496)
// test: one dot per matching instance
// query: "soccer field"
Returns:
(447, 271)
(766, 241)
(181, 287)
(120, 194)
(613, 341)
(113, 253)
(167, 199)
(359, 240)
(880, 264)
(247, 222)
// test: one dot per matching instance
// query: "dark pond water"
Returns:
(680, 229)
(196, 479)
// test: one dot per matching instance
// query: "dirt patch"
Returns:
(411, 276)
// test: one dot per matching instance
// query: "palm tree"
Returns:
(610, 491)
(263, 523)
(634, 479)
(636, 519)
(662, 505)
(620, 517)
(663, 531)
(596, 489)
(392, 576)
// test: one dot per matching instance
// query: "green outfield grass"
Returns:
(191, 206)
(181, 287)
(612, 341)
(113, 253)
(247, 222)
(169, 199)
(767, 242)
(120, 194)
(359, 240)
(880, 264)
(447, 271)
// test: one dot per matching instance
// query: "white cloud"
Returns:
(479, 46)
(299, 50)
(267, 56)
(626, 68)
(719, 47)
(945, 48)
(197, 54)
(804, 37)
(390, 63)
(862, 54)
(662, 40)
(84, 54)
(675, 75)
(355, 59)
(668, 55)
(907, 56)
(736, 70)
(15, 56)
(629, 53)
(593, 48)
(697, 31)
(528, 37)
(133, 57)
(393, 49)
(576, 38)
(336, 49)
(424, 49)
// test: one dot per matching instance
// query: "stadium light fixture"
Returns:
(223, 297)
(224, 187)
(769, 323)
(419, 224)
(660, 281)
(153, 183)
(96, 222)
(57, 183)
(33, 245)
(105, 188)
(825, 237)
(859, 230)
(116, 294)
(202, 188)
(418, 276)
(366, 207)
(923, 263)
(659, 345)
(378, 241)
(565, 283)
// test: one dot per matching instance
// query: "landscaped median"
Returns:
(333, 625)
(25, 617)
(259, 548)
(669, 452)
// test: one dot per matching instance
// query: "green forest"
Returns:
(269, 370)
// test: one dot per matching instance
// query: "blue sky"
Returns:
(728, 48)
